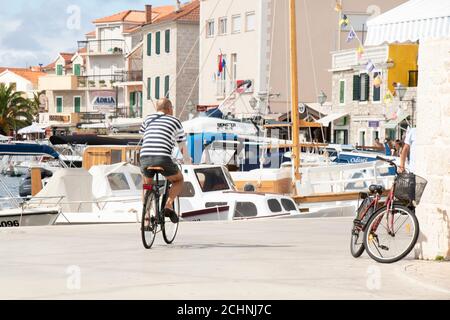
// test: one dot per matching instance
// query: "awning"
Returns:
(394, 123)
(325, 121)
(412, 21)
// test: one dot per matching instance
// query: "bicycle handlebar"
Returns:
(391, 162)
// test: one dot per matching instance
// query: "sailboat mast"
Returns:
(294, 93)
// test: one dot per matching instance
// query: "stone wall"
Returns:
(433, 148)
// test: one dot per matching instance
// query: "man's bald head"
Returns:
(164, 105)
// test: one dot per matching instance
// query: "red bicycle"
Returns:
(389, 232)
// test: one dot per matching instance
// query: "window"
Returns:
(376, 89)
(188, 190)
(118, 182)
(250, 21)
(167, 41)
(362, 138)
(149, 44)
(413, 78)
(341, 136)
(236, 24)
(245, 210)
(157, 79)
(288, 205)
(234, 67)
(77, 104)
(137, 180)
(166, 87)
(274, 205)
(158, 42)
(211, 179)
(215, 204)
(149, 88)
(59, 104)
(365, 87)
(116, 156)
(223, 25)
(356, 88)
(342, 92)
(59, 70)
(77, 70)
(210, 28)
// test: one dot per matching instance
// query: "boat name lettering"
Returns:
(226, 126)
(9, 224)
(358, 160)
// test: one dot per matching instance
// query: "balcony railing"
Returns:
(99, 81)
(110, 46)
(133, 76)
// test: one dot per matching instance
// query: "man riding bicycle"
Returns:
(161, 131)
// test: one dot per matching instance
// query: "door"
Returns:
(77, 104)
(132, 104)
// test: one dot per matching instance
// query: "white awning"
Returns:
(412, 21)
(325, 121)
(394, 123)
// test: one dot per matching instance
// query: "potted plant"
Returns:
(102, 83)
(91, 83)
(81, 82)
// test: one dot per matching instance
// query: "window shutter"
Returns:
(149, 88)
(157, 88)
(149, 44)
(167, 41)
(158, 42)
(356, 88)
(59, 105)
(342, 92)
(166, 86)
(366, 86)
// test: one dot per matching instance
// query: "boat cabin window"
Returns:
(118, 182)
(137, 180)
(288, 205)
(212, 179)
(116, 156)
(274, 205)
(188, 190)
(215, 204)
(245, 210)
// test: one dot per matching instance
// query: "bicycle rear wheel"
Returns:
(391, 237)
(357, 242)
(170, 229)
(149, 225)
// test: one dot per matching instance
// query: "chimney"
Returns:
(148, 14)
(178, 6)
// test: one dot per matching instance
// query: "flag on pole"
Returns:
(377, 81)
(338, 7)
(388, 97)
(360, 51)
(344, 21)
(220, 65)
(351, 36)
(370, 66)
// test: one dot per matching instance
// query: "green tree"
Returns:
(35, 105)
(16, 111)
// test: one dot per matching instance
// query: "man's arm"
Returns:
(184, 151)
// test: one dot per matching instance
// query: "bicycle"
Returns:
(153, 219)
(394, 240)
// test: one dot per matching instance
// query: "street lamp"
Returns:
(401, 91)
(322, 98)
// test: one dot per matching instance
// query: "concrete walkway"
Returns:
(270, 259)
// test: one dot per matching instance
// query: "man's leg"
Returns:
(177, 186)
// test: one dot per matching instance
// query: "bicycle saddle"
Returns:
(155, 169)
(376, 188)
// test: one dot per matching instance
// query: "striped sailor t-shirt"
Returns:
(161, 132)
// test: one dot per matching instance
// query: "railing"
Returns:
(344, 178)
(132, 76)
(110, 46)
(99, 81)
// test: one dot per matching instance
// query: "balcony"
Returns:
(132, 76)
(54, 83)
(102, 47)
(99, 82)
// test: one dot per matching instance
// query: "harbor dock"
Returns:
(261, 259)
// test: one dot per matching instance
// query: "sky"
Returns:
(35, 31)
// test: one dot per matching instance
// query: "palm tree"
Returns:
(35, 105)
(15, 110)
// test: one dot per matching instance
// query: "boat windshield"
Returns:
(212, 179)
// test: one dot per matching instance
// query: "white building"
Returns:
(237, 32)
(171, 58)
(22, 80)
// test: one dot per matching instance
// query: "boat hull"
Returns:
(28, 219)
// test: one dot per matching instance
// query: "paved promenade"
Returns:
(270, 259)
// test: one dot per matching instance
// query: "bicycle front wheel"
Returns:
(390, 237)
(170, 229)
(149, 225)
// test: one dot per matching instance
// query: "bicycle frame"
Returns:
(156, 189)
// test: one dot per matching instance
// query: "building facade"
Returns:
(363, 107)
(22, 80)
(171, 59)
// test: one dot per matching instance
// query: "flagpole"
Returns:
(339, 29)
